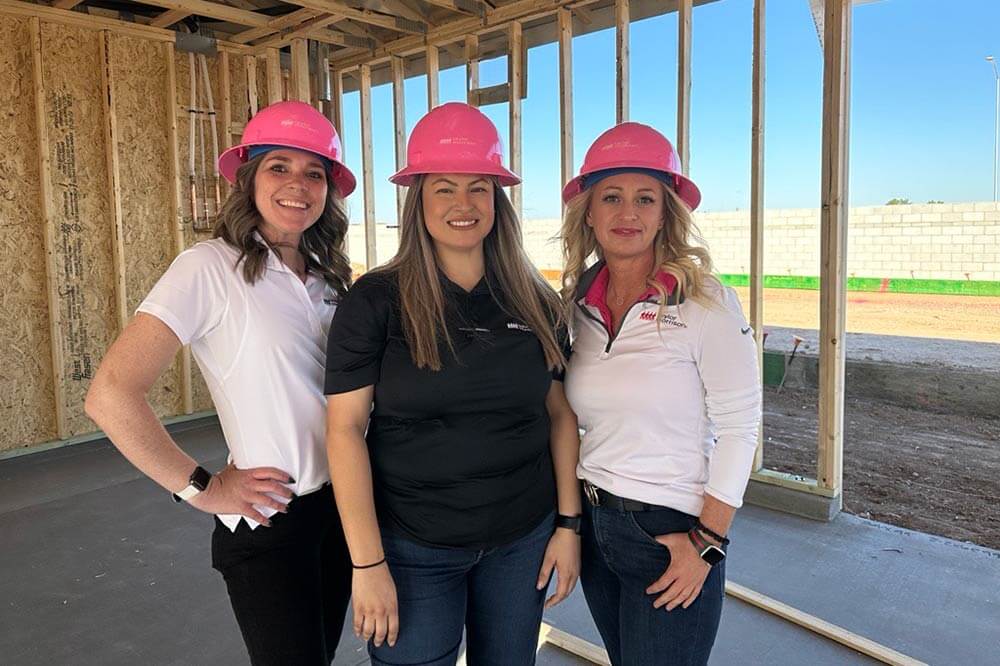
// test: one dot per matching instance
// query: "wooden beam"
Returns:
(497, 94)
(565, 22)
(273, 64)
(396, 23)
(584, 15)
(471, 68)
(175, 214)
(337, 104)
(225, 114)
(575, 645)
(278, 24)
(399, 124)
(367, 166)
(66, 4)
(64, 17)
(299, 81)
(515, 72)
(757, 203)
(433, 67)
(397, 8)
(250, 63)
(114, 178)
(684, 10)
(470, 7)
(621, 60)
(169, 17)
(52, 277)
(792, 481)
(833, 242)
(213, 10)
(315, 29)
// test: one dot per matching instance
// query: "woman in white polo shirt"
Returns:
(255, 304)
(663, 378)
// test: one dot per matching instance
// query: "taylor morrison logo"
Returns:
(667, 318)
(513, 325)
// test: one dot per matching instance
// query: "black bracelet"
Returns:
(721, 539)
(368, 566)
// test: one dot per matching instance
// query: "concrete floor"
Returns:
(99, 567)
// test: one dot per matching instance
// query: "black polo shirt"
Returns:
(460, 457)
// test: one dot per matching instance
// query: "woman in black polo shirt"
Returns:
(447, 356)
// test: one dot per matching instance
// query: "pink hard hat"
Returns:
(291, 125)
(634, 146)
(454, 138)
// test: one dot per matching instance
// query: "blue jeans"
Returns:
(620, 558)
(491, 593)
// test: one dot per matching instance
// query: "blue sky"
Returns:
(921, 118)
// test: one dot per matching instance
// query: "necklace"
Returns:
(617, 300)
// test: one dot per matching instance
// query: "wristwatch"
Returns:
(198, 482)
(569, 522)
(709, 552)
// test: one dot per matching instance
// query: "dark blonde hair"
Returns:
(678, 250)
(322, 244)
(526, 294)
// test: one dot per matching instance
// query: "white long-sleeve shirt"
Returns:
(669, 412)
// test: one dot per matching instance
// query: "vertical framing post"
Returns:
(565, 20)
(273, 63)
(833, 242)
(757, 200)
(621, 60)
(515, 76)
(367, 164)
(337, 103)
(399, 124)
(177, 203)
(114, 177)
(226, 109)
(250, 62)
(684, 11)
(472, 69)
(51, 269)
(299, 81)
(433, 67)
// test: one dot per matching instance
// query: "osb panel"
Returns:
(81, 207)
(263, 96)
(140, 101)
(239, 92)
(27, 411)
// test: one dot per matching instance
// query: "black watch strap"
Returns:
(569, 522)
(199, 480)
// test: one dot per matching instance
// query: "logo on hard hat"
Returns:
(298, 124)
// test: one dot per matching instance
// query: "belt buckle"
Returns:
(590, 490)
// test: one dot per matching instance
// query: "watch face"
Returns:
(713, 555)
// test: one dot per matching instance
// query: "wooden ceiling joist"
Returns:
(275, 25)
(66, 4)
(396, 23)
(470, 7)
(169, 17)
(213, 10)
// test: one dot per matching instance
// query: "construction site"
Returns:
(871, 528)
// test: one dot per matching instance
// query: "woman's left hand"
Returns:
(563, 555)
(681, 583)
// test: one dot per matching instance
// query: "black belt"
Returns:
(599, 497)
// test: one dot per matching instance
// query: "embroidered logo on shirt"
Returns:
(513, 325)
(744, 331)
(329, 301)
(667, 318)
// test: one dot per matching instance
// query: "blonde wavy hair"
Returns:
(525, 293)
(678, 250)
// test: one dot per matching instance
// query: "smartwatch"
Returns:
(709, 552)
(198, 482)
(569, 522)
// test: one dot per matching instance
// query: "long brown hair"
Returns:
(322, 244)
(678, 250)
(526, 294)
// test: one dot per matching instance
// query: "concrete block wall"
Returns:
(959, 241)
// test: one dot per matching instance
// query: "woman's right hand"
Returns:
(241, 491)
(376, 613)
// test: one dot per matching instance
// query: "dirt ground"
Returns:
(929, 472)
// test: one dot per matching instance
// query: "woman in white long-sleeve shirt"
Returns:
(664, 380)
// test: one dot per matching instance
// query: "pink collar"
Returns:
(597, 294)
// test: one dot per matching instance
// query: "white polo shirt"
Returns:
(669, 412)
(262, 351)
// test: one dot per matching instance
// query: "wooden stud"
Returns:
(471, 68)
(433, 67)
(833, 242)
(114, 177)
(337, 104)
(274, 85)
(684, 11)
(299, 82)
(225, 101)
(399, 124)
(250, 63)
(168, 18)
(515, 72)
(790, 481)
(757, 202)
(621, 60)
(565, 19)
(51, 268)
(175, 214)
(367, 166)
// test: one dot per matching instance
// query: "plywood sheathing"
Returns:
(81, 208)
(27, 412)
(145, 189)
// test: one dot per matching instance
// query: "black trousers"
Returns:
(289, 584)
